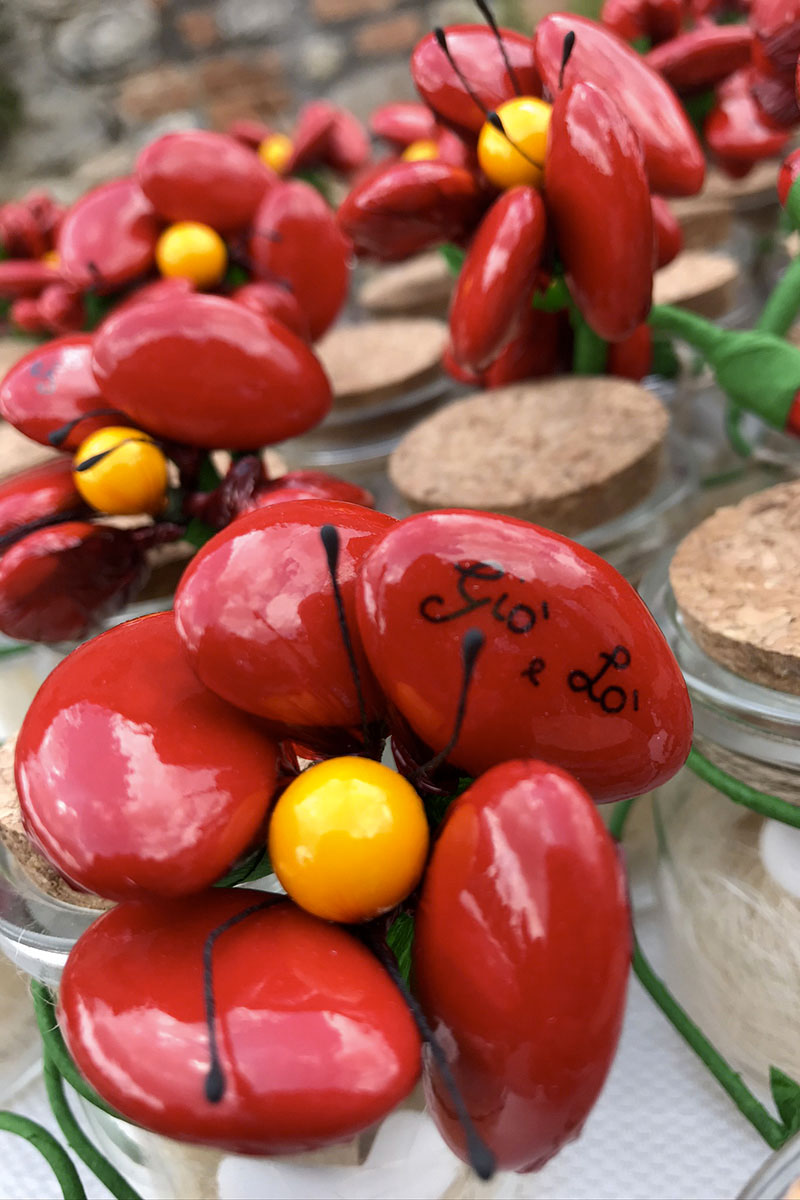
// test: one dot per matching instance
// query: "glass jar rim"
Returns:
(749, 718)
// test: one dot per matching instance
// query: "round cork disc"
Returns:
(567, 453)
(380, 359)
(12, 350)
(704, 283)
(735, 582)
(421, 286)
(705, 221)
(17, 452)
(15, 839)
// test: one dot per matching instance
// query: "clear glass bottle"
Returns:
(728, 879)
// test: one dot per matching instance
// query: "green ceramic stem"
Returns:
(76, 1138)
(781, 310)
(589, 352)
(773, 1132)
(690, 327)
(759, 802)
(43, 1141)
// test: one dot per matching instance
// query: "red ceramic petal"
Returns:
(632, 358)
(774, 93)
(789, 172)
(475, 50)
(776, 24)
(497, 279)
(673, 157)
(108, 238)
(273, 300)
(134, 778)
(409, 206)
(51, 386)
(735, 129)
(348, 143)
(702, 57)
(207, 372)
(668, 233)
(25, 277)
(554, 616)
(315, 1041)
(310, 134)
(521, 960)
(42, 491)
(296, 240)
(658, 20)
(256, 612)
(58, 583)
(536, 350)
(249, 132)
(311, 485)
(202, 176)
(401, 124)
(599, 199)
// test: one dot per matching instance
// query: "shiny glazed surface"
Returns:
(409, 206)
(497, 279)
(667, 233)
(296, 241)
(58, 583)
(108, 237)
(554, 616)
(133, 778)
(673, 158)
(273, 300)
(41, 491)
(403, 123)
(736, 129)
(202, 176)
(702, 57)
(316, 1043)
(25, 277)
(595, 170)
(256, 611)
(477, 54)
(209, 372)
(50, 386)
(521, 959)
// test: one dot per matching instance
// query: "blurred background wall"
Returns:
(84, 83)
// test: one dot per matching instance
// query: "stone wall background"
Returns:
(85, 83)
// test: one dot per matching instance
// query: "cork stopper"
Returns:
(15, 839)
(757, 187)
(12, 349)
(567, 453)
(735, 583)
(17, 452)
(380, 359)
(701, 282)
(421, 286)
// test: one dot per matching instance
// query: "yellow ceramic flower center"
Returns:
(421, 151)
(517, 155)
(275, 151)
(121, 471)
(348, 839)
(191, 250)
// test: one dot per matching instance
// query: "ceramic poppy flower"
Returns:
(552, 173)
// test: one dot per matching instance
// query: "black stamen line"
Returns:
(94, 459)
(481, 1158)
(215, 1079)
(569, 45)
(489, 17)
(473, 642)
(60, 435)
(329, 536)
(439, 34)
(21, 531)
(494, 120)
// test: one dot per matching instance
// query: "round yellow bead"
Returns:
(348, 839)
(52, 259)
(526, 121)
(191, 250)
(275, 151)
(421, 151)
(128, 476)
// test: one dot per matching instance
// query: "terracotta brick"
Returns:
(197, 28)
(389, 37)
(152, 93)
(348, 10)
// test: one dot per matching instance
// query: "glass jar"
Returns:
(779, 1178)
(727, 878)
